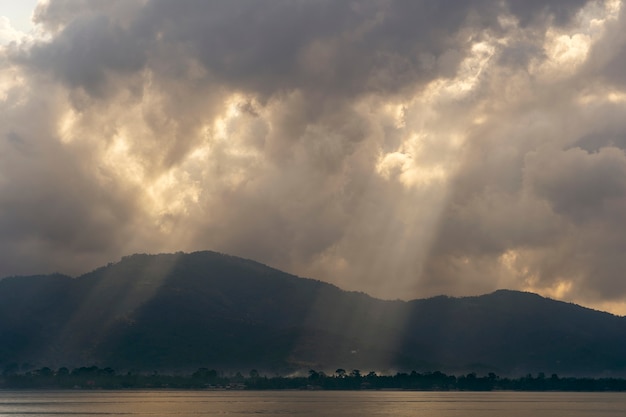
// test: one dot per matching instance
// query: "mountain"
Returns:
(204, 309)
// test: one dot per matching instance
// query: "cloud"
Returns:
(401, 148)
(87, 51)
(8, 33)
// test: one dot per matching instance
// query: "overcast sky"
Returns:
(404, 148)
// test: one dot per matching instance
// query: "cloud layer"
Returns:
(401, 148)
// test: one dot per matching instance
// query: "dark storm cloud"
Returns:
(579, 184)
(86, 50)
(341, 47)
(531, 10)
(402, 148)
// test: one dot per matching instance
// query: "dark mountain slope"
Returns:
(184, 311)
(511, 331)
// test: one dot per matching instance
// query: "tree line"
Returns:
(94, 377)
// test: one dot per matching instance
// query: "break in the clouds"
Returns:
(401, 148)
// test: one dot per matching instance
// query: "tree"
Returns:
(204, 373)
(108, 371)
(45, 371)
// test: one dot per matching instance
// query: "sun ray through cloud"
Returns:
(396, 148)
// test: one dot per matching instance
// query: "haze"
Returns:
(401, 148)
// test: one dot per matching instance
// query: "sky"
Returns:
(403, 148)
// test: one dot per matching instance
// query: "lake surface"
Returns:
(310, 403)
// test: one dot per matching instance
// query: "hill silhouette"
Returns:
(204, 309)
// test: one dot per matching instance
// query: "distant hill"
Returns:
(184, 311)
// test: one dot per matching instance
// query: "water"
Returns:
(307, 403)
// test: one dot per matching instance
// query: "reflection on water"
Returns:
(305, 403)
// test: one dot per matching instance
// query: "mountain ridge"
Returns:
(184, 311)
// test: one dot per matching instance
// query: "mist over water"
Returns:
(306, 403)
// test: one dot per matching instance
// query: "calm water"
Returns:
(305, 403)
